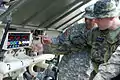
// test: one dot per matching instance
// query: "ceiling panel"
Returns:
(56, 14)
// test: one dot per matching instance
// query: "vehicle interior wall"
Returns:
(52, 33)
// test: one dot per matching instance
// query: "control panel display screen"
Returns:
(18, 40)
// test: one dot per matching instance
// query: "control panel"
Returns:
(17, 39)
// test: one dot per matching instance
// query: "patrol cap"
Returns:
(89, 12)
(105, 9)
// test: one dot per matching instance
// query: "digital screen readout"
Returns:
(18, 40)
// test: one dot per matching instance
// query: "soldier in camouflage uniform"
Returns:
(105, 39)
(108, 41)
(75, 62)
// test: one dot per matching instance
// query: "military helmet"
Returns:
(89, 12)
(105, 9)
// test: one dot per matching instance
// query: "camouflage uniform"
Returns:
(74, 65)
(111, 68)
(104, 43)
(75, 62)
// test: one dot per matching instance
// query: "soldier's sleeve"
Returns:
(62, 46)
(111, 68)
(66, 46)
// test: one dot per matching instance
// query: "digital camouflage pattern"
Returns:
(103, 43)
(110, 69)
(105, 8)
(66, 45)
(89, 12)
(74, 65)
